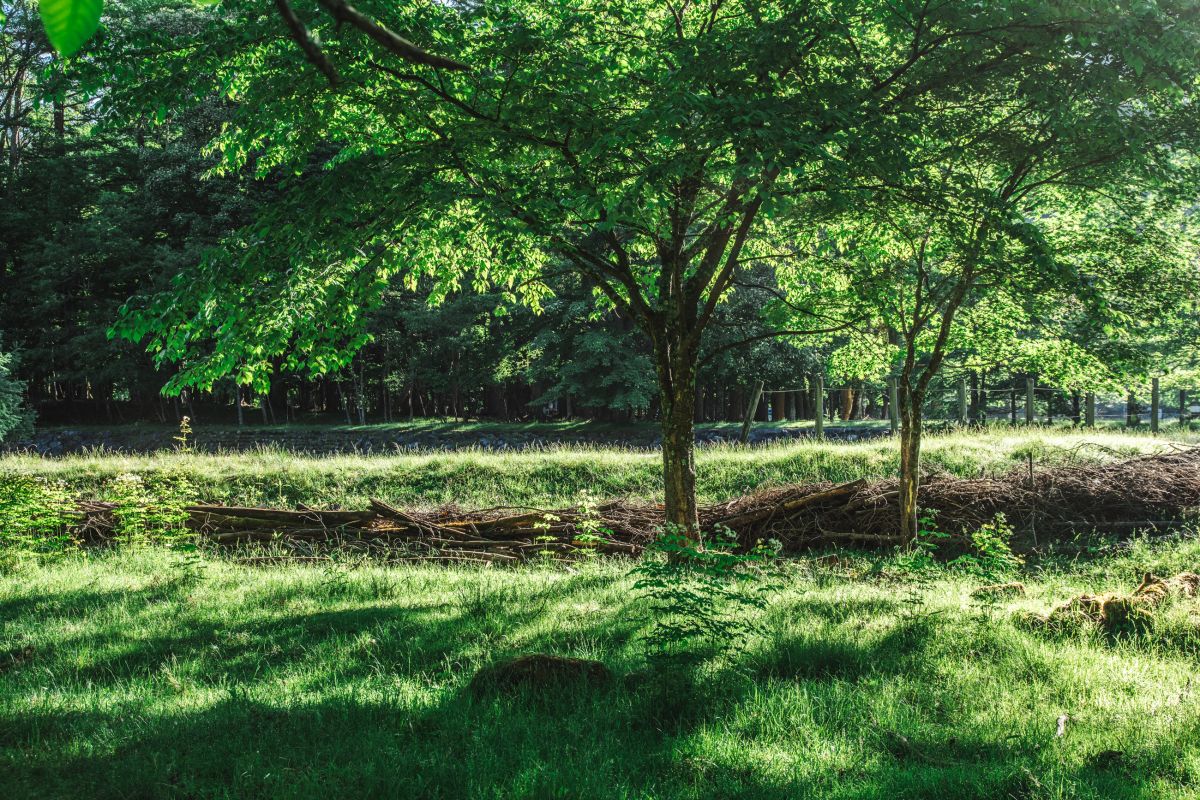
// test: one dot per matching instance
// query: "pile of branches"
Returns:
(1154, 492)
(489, 535)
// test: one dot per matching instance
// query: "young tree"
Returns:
(646, 145)
(939, 276)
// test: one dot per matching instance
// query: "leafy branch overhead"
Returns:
(71, 23)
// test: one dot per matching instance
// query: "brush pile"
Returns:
(1155, 492)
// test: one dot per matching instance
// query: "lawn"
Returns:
(147, 672)
(558, 476)
(150, 673)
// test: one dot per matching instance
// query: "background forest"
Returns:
(102, 209)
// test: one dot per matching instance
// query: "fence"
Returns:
(978, 406)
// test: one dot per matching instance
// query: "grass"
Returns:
(557, 476)
(149, 673)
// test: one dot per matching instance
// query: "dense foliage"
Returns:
(610, 209)
(15, 418)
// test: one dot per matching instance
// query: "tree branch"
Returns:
(312, 51)
(388, 39)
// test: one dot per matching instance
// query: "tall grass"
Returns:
(559, 475)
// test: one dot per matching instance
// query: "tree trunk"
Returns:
(846, 403)
(678, 399)
(762, 410)
(910, 464)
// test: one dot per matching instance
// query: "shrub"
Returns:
(35, 516)
(919, 556)
(703, 592)
(148, 512)
(991, 555)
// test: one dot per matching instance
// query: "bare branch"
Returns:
(391, 41)
(312, 51)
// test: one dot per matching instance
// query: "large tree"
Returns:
(646, 145)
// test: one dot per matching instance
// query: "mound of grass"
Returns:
(558, 476)
(142, 673)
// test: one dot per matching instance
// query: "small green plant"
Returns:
(920, 555)
(590, 527)
(547, 554)
(151, 512)
(184, 438)
(703, 592)
(991, 555)
(35, 517)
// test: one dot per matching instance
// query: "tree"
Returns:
(980, 237)
(645, 145)
(15, 418)
(70, 23)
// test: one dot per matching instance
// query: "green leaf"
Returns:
(70, 23)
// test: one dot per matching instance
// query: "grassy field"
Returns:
(558, 476)
(147, 674)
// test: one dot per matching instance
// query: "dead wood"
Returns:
(1154, 493)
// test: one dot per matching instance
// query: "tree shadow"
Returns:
(371, 701)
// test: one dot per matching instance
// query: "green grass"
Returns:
(557, 476)
(145, 674)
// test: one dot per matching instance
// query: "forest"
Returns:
(599, 398)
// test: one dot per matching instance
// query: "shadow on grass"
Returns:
(370, 701)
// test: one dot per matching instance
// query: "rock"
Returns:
(539, 671)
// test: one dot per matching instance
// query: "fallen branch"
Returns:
(1156, 493)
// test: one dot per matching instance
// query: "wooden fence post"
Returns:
(750, 410)
(819, 408)
(1029, 386)
(1155, 405)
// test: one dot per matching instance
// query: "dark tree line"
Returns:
(92, 217)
